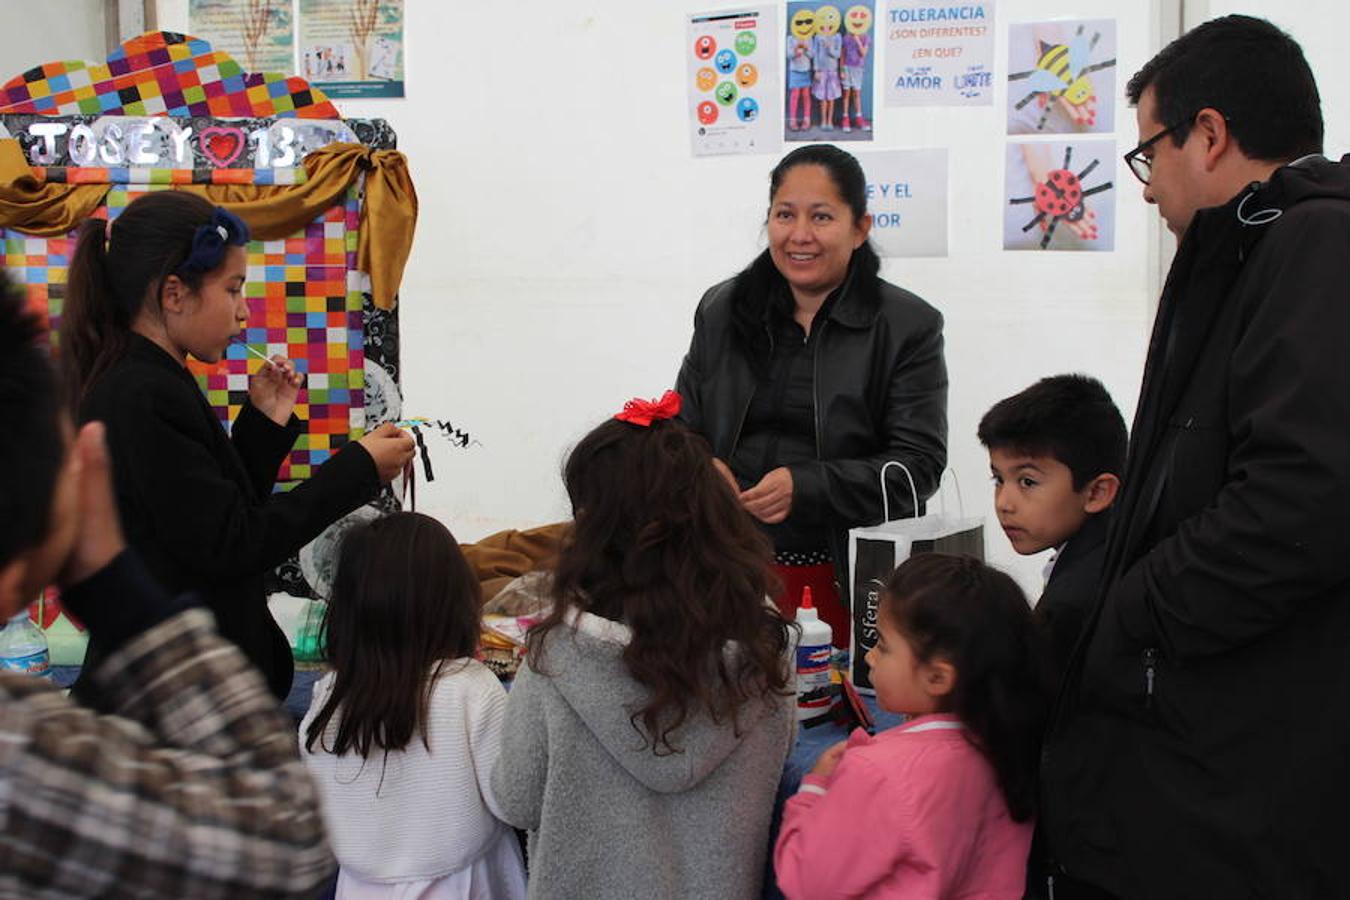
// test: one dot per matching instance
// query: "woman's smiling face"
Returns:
(812, 231)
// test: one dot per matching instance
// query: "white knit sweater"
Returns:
(417, 814)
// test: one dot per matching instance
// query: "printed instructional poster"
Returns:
(733, 81)
(259, 34)
(907, 197)
(1060, 196)
(828, 96)
(1062, 77)
(939, 54)
(352, 48)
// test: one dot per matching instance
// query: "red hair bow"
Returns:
(645, 412)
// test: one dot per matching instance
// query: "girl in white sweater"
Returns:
(402, 736)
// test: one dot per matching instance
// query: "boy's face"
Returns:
(1035, 500)
(22, 577)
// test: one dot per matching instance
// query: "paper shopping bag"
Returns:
(873, 554)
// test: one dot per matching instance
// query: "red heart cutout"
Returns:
(221, 145)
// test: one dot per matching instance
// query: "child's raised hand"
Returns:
(391, 448)
(273, 389)
(829, 760)
(99, 538)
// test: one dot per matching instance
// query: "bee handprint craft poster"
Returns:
(733, 73)
(1062, 77)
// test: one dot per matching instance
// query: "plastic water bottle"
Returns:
(23, 648)
(813, 662)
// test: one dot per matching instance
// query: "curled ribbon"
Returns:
(644, 412)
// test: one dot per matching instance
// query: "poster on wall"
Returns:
(259, 34)
(829, 72)
(1062, 77)
(352, 48)
(939, 54)
(732, 63)
(1060, 196)
(907, 197)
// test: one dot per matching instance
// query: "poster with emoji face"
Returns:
(732, 61)
(830, 49)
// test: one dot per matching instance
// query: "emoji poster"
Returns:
(732, 63)
(830, 52)
(939, 55)
(352, 48)
(907, 197)
(1062, 77)
(1060, 196)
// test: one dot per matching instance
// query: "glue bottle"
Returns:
(813, 661)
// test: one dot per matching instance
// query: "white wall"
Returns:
(35, 33)
(566, 234)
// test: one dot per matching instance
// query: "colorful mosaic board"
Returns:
(305, 303)
(162, 74)
(306, 298)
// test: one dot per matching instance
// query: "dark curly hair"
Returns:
(977, 618)
(660, 543)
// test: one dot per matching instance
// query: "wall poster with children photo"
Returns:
(731, 59)
(1062, 77)
(829, 72)
(1060, 196)
(352, 48)
(939, 55)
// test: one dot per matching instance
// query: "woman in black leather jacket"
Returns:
(807, 372)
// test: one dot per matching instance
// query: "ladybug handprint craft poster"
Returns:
(1060, 196)
(1062, 77)
(733, 72)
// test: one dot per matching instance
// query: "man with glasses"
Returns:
(1201, 744)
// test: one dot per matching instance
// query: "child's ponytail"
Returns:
(978, 619)
(94, 322)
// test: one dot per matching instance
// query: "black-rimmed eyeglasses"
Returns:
(1141, 165)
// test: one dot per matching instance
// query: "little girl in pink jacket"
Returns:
(942, 806)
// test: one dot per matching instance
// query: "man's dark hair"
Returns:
(32, 445)
(1247, 69)
(1070, 418)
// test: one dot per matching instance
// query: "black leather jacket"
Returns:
(880, 389)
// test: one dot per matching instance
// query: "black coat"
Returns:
(880, 386)
(1071, 591)
(198, 503)
(1201, 746)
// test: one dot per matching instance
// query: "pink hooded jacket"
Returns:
(915, 812)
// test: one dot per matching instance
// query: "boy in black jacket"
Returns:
(1056, 451)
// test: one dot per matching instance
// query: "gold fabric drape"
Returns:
(388, 214)
(39, 208)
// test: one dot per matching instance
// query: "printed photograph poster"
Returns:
(1059, 195)
(907, 197)
(259, 34)
(1062, 77)
(830, 51)
(939, 54)
(352, 48)
(733, 77)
